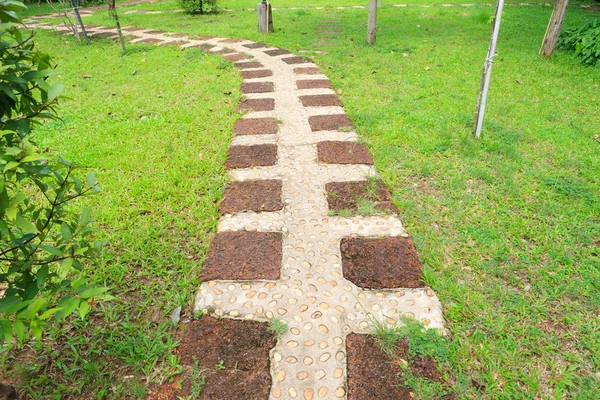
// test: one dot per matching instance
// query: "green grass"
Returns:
(278, 326)
(155, 126)
(507, 226)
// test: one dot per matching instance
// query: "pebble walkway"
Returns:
(285, 256)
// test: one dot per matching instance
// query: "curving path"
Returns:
(280, 252)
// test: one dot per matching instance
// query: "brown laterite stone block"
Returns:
(276, 52)
(255, 126)
(255, 195)
(386, 263)
(314, 84)
(320, 100)
(306, 70)
(261, 155)
(332, 152)
(150, 40)
(257, 105)
(248, 64)
(243, 256)
(236, 57)
(296, 60)
(258, 87)
(232, 40)
(329, 122)
(347, 196)
(257, 45)
(262, 73)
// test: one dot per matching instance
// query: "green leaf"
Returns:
(91, 179)
(67, 305)
(92, 292)
(5, 331)
(11, 213)
(12, 151)
(11, 304)
(84, 308)
(55, 91)
(25, 225)
(19, 329)
(52, 250)
(48, 313)
(30, 312)
(11, 165)
(35, 157)
(42, 275)
(65, 231)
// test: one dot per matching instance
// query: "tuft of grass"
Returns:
(279, 327)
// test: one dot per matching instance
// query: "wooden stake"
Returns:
(487, 70)
(79, 20)
(372, 23)
(554, 28)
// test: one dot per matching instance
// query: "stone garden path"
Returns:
(280, 250)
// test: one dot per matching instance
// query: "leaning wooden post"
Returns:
(112, 10)
(79, 20)
(554, 28)
(487, 70)
(372, 24)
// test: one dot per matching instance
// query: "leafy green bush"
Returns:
(42, 242)
(197, 6)
(584, 42)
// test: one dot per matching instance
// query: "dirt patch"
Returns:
(260, 155)
(248, 64)
(348, 196)
(257, 105)
(329, 122)
(296, 60)
(263, 73)
(258, 195)
(372, 374)
(150, 40)
(258, 87)
(306, 71)
(257, 45)
(321, 100)
(381, 263)
(314, 84)
(255, 126)
(331, 152)
(243, 256)
(276, 52)
(233, 354)
(237, 57)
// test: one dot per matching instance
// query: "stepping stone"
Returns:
(256, 126)
(257, 105)
(263, 73)
(372, 374)
(177, 43)
(329, 122)
(321, 100)
(255, 195)
(314, 84)
(257, 45)
(248, 64)
(348, 195)
(231, 40)
(151, 41)
(223, 52)
(381, 263)
(297, 60)
(276, 52)
(260, 155)
(234, 356)
(332, 152)
(203, 46)
(243, 255)
(155, 32)
(257, 87)
(306, 71)
(237, 57)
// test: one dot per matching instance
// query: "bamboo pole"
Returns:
(487, 70)
(372, 23)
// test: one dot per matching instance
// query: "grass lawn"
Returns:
(508, 226)
(155, 126)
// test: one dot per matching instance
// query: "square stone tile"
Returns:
(248, 64)
(314, 84)
(306, 70)
(260, 155)
(321, 100)
(256, 126)
(258, 87)
(244, 256)
(385, 263)
(349, 195)
(262, 73)
(296, 60)
(329, 122)
(333, 152)
(276, 52)
(255, 195)
(257, 105)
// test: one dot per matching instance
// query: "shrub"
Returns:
(197, 6)
(583, 42)
(42, 242)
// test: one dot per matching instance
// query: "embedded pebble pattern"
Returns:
(312, 296)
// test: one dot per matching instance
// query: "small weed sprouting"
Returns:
(367, 207)
(197, 379)
(221, 365)
(278, 326)
(346, 129)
